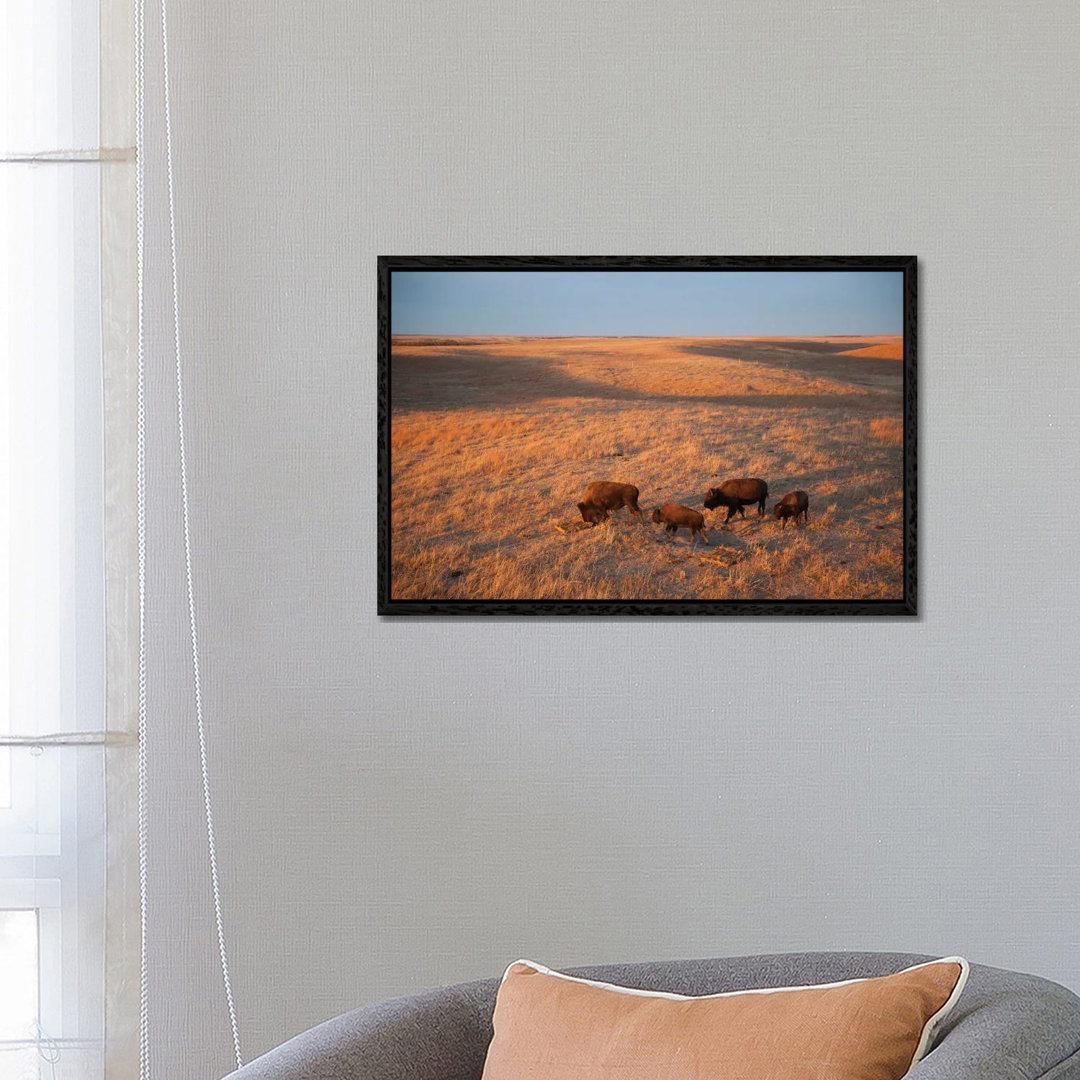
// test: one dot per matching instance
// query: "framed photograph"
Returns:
(647, 436)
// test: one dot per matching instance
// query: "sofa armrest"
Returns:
(441, 1034)
(1007, 1026)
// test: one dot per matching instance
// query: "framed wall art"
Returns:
(647, 436)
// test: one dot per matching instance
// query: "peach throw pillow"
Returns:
(550, 1026)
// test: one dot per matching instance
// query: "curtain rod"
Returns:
(88, 156)
(70, 738)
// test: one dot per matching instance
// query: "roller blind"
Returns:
(54, 198)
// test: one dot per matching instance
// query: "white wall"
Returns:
(406, 803)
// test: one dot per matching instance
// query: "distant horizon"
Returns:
(650, 337)
(647, 304)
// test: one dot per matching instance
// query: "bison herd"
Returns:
(603, 497)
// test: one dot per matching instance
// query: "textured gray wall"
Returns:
(409, 803)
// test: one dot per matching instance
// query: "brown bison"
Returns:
(674, 517)
(735, 494)
(793, 505)
(603, 496)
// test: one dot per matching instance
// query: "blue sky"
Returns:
(646, 303)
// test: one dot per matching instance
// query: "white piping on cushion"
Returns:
(924, 1040)
(932, 1024)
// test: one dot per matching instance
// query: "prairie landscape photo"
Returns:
(710, 437)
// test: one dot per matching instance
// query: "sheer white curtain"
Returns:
(60, 245)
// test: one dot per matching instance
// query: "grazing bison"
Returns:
(792, 505)
(603, 496)
(735, 494)
(674, 517)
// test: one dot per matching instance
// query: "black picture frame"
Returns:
(905, 606)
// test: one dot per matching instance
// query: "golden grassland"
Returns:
(493, 441)
(892, 350)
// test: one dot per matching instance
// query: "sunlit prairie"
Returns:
(493, 441)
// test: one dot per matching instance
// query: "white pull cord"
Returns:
(140, 199)
(140, 453)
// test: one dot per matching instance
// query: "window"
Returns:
(52, 578)
(19, 948)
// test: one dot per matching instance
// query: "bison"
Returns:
(735, 494)
(793, 505)
(674, 517)
(603, 496)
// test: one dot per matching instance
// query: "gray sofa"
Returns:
(1005, 1026)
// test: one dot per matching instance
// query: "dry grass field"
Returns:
(493, 441)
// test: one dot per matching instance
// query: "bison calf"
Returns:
(603, 496)
(735, 494)
(675, 517)
(793, 505)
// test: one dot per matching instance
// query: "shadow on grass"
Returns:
(467, 378)
(814, 358)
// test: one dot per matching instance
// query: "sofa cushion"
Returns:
(552, 1026)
